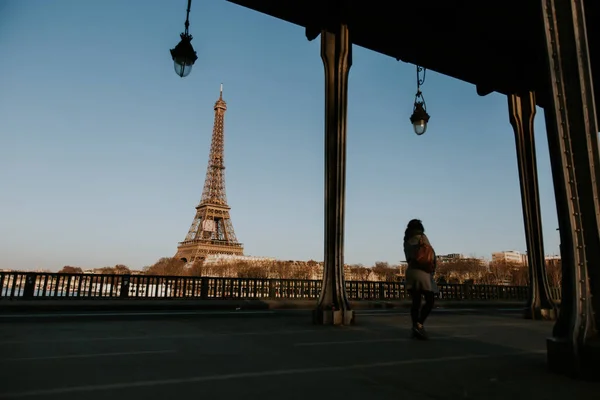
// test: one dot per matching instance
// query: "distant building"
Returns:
(511, 256)
(552, 260)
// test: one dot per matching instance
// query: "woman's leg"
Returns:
(415, 309)
(429, 299)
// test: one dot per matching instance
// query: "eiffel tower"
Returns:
(212, 231)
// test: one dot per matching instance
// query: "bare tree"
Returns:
(520, 276)
(460, 270)
(70, 270)
(500, 272)
(554, 271)
(104, 270)
(197, 269)
(281, 270)
(251, 271)
(386, 273)
(359, 272)
(301, 271)
(121, 269)
(168, 266)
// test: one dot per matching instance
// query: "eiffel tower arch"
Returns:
(211, 231)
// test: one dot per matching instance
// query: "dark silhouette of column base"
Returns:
(544, 314)
(333, 317)
(581, 363)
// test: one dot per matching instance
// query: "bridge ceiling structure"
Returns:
(495, 45)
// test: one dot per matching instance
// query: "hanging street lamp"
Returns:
(183, 54)
(419, 117)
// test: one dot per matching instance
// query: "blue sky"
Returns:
(103, 149)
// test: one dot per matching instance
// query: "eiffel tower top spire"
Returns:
(221, 103)
(214, 184)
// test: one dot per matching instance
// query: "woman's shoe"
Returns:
(419, 332)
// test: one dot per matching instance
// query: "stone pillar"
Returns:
(572, 128)
(521, 109)
(333, 306)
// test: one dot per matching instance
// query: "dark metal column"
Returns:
(336, 51)
(521, 110)
(573, 142)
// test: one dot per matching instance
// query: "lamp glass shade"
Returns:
(182, 69)
(420, 127)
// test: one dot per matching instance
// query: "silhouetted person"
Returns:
(421, 264)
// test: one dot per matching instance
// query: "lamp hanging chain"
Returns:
(420, 81)
(187, 17)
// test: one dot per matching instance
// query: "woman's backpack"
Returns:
(424, 257)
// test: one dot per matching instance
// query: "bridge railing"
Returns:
(29, 285)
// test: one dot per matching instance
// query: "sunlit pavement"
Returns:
(470, 356)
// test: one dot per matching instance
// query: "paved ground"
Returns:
(470, 356)
(8, 306)
(74, 314)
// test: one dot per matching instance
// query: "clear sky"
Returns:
(103, 149)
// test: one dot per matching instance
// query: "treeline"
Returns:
(462, 270)
(454, 271)
(118, 269)
(240, 269)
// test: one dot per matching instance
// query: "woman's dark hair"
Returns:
(414, 226)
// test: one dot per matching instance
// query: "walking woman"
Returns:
(419, 281)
